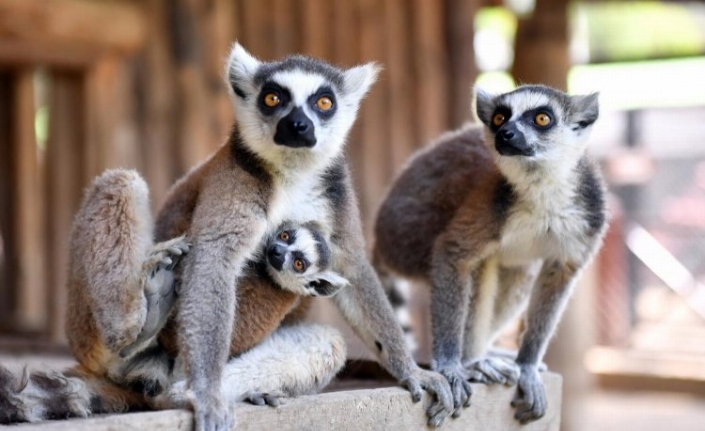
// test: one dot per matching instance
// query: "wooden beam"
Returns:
(7, 277)
(68, 32)
(389, 409)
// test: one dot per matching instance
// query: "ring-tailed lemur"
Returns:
(495, 218)
(284, 161)
(115, 211)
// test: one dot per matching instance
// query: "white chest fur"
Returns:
(545, 223)
(299, 198)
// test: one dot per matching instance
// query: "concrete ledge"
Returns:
(384, 409)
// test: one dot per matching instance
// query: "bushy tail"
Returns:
(398, 293)
(37, 396)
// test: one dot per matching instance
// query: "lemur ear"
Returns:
(239, 70)
(585, 109)
(358, 80)
(484, 105)
(328, 283)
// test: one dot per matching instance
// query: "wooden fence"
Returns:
(138, 84)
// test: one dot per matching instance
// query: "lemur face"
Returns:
(298, 259)
(295, 108)
(536, 123)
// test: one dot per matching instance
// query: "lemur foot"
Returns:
(530, 400)
(160, 289)
(460, 387)
(493, 370)
(212, 416)
(164, 255)
(500, 352)
(273, 398)
(437, 386)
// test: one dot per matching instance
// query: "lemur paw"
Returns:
(493, 370)
(165, 255)
(212, 416)
(437, 386)
(460, 387)
(530, 401)
(273, 398)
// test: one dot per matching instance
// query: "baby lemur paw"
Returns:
(273, 398)
(493, 370)
(437, 386)
(530, 401)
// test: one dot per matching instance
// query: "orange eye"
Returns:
(284, 236)
(271, 100)
(324, 103)
(542, 119)
(498, 119)
(299, 265)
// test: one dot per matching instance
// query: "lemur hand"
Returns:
(159, 289)
(530, 400)
(437, 386)
(493, 370)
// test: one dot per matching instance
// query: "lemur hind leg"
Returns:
(505, 294)
(292, 361)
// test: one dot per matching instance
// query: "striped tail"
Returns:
(37, 396)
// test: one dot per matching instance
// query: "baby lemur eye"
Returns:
(498, 119)
(272, 100)
(299, 265)
(542, 119)
(284, 236)
(324, 103)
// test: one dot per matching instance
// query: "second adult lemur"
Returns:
(495, 218)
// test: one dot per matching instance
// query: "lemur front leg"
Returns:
(160, 287)
(450, 297)
(553, 288)
(364, 306)
(294, 360)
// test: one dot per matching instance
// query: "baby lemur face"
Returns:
(535, 123)
(298, 259)
(297, 103)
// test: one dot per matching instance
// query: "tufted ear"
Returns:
(358, 80)
(584, 109)
(484, 105)
(240, 70)
(328, 283)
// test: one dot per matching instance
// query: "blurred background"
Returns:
(88, 85)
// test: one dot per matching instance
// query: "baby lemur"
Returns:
(284, 160)
(494, 218)
(293, 265)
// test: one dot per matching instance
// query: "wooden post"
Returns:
(541, 46)
(7, 255)
(28, 209)
(65, 180)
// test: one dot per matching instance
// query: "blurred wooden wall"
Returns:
(138, 84)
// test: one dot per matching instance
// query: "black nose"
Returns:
(276, 255)
(295, 130)
(507, 135)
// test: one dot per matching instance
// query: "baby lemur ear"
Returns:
(358, 80)
(328, 283)
(585, 109)
(240, 69)
(484, 105)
